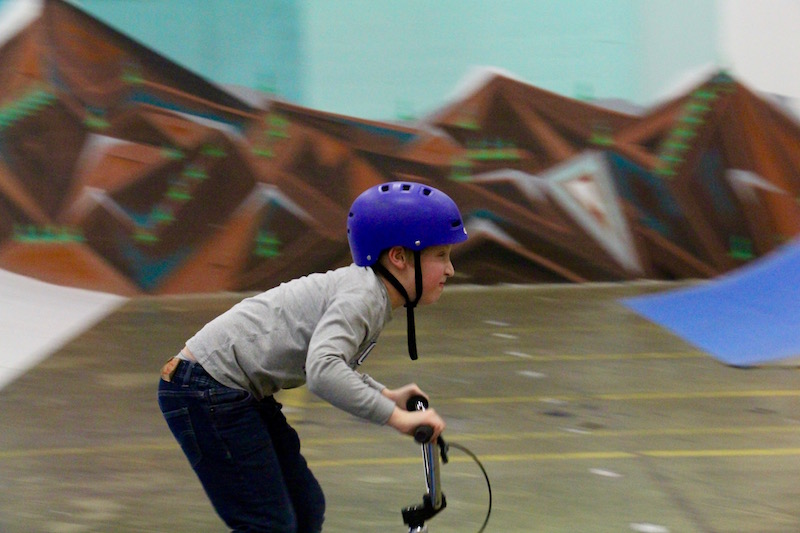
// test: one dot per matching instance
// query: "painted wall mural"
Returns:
(123, 172)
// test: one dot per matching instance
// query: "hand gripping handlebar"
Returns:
(423, 433)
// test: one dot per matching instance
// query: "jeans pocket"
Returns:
(180, 424)
(228, 399)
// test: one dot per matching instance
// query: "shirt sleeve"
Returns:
(372, 382)
(328, 375)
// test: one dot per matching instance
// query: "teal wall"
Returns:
(239, 42)
(672, 38)
(409, 55)
(384, 59)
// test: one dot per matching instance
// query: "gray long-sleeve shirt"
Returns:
(315, 330)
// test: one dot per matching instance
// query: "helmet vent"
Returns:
(426, 191)
(385, 188)
(406, 187)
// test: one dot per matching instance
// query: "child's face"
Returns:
(436, 268)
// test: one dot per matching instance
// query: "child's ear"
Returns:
(397, 256)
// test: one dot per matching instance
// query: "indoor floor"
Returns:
(587, 418)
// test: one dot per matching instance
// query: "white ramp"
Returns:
(37, 318)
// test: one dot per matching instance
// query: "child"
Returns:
(217, 394)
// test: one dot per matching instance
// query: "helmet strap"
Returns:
(409, 305)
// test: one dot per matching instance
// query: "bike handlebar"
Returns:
(417, 403)
(423, 433)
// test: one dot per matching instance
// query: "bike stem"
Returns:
(433, 500)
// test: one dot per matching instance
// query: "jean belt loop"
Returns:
(185, 372)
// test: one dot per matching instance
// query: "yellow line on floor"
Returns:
(610, 397)
(569, 456)
(630, 396)
(658, 432)
(754, 452)
(479, 331)
(478, 359)
(408, 460)
(514, 457)
(171, 446)
(88, 450)
(699, 395)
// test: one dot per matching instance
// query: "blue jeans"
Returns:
(245, 453)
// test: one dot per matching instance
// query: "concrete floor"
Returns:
(587, 417)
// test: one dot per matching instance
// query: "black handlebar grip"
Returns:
(417, 403)
(423, 434)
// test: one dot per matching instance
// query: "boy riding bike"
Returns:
(217, 393)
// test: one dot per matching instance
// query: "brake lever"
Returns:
(444, 449)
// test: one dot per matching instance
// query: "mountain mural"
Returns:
(123, 172)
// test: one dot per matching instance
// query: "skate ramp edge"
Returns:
(749, 317)
(38, 318)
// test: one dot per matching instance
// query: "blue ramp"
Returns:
(748, 317)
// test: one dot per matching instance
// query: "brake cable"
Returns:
(485, 476)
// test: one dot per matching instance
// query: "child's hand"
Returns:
(407, 422)
(401, 395)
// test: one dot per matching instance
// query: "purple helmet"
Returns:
(401, 213)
